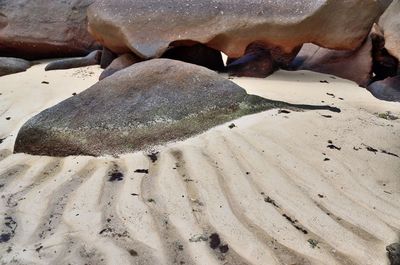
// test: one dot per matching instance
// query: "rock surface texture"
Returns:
(394, 253)
(149, 103)
(119, 63)
(387, 89)
(9, 65)
(353, 65)
(44, 28)
(390, 24)
(148, 28)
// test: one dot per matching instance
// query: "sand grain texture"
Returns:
(263, 186)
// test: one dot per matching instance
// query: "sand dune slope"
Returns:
(279, 188)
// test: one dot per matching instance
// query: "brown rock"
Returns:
(120, 63)
(390, 25)
(353, 65)
(257, 62)
(44, 28)
(107, 57)
(149, 28)
(384, 64)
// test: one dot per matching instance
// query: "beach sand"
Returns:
(278, 188)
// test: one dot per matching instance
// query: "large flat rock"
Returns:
(147, 28)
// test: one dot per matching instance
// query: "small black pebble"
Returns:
(45, 82)
(39, 248)
(116, 176)
(215, 241)
(224, 248)
(74, 94)
(231, 126)
(133, 253)
(326, 159)
(8, 118)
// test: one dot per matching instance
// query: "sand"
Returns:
(271, 188)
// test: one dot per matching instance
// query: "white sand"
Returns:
(350, 204)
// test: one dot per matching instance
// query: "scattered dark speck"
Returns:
(133, 253)
(388, 153)
(116, 176)
(331, 146)
(327, 116)
(321, 196)
(231, 126)
(271, 201)
(330, 94)
(74, 94)
(313, 243)
(283, 111)
(153, 157)
(5, 238)
(8, 118)
(324, 81)
(45, 82)
(215, 241)
(105, 230)
(224, 248)
(326, 159)
(134, 194)
(144, 171)
(39, 248)
(371, 149)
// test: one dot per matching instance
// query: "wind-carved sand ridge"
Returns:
(277, 187)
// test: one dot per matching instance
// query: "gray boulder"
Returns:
(387, 89)
(92, 58)
(393, 252)
(9, 65)
(146, 104)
